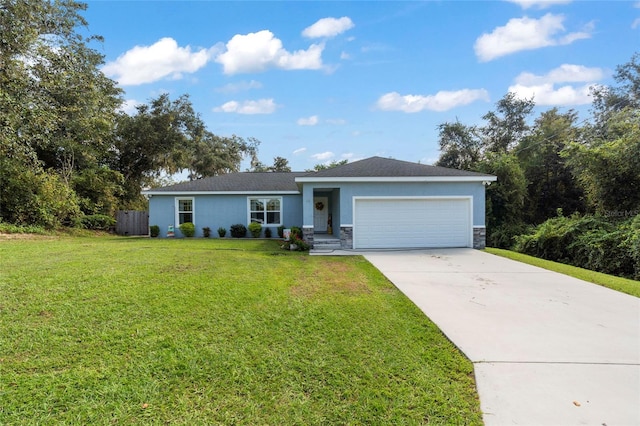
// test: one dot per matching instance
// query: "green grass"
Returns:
(623, 285)
(149, 331)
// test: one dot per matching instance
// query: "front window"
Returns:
(266, 211)
(185, 210)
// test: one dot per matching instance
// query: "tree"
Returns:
(325, 166)
(57, 106)
(505, 199)
(550, 183)
(609, 169)
(508, 124)
(167, 136)
(460, 146)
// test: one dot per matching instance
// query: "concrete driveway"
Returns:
(547, 349)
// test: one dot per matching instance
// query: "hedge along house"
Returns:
(375, 203)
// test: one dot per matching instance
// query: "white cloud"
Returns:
(261, 106)
(322, 156)
(565, 73)
(328, 27)
(257, 52)
(548, 94)
(526, 34)
(299, 151)
(163, 59)
(539, 4)
(344, 56)
(635, 24)
(543, 90)
(310, 121)
(129, 106)
(239, 87)
(441, 101)
(336, 121)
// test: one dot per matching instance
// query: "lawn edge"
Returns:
(623, 285)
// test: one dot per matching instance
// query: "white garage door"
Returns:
(409, 223)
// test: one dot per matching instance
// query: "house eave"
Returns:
(480, 178)
(174, 193)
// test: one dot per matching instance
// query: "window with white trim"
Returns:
(184, 210)
(266, 211)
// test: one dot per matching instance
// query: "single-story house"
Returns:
(372, 203)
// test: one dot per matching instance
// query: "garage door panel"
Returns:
(408, 223)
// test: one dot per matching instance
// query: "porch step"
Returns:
(326, 244)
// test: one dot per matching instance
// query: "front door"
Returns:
(320, 214)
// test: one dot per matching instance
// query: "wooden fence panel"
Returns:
(132, 222)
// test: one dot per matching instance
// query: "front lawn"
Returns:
(623, 285)
(147, 331)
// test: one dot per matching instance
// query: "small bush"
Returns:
(222, 232)
(267, 232)
(238, 230)
(98, 222)
(281, 231)
(188, 229)
(296, 243)
(154, 230)
(296, 233)
(255, 228)
(206, 231)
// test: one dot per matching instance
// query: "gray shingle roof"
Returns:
(387, 167)
(285, 182)
(239, 182)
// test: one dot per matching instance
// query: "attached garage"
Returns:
(413, 222)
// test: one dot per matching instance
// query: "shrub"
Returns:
(590, 242)
(255, 228)
(154, 230)
(296, 233)
(188, 229)
(296, 243)
(99, 222)
(206, 231)
(238, 230)
(267, 232)
(281, 231)
(222, 232)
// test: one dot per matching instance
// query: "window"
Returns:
(184, 210)
(266, 211)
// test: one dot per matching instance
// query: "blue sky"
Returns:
(323, 81)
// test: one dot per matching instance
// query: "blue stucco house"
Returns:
(367, 204)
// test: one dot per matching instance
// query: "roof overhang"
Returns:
(480, 178)
(174, 193)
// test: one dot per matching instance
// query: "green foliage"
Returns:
(97, 222)
(32, 197)
(222, 232)
(609, 169)
(188, 229)
(154, 230)
(255, 229)
(550, 182)
(267, 232)
(296, 232)
(591, 242)
(504, 198)
(10, 228)
(238, 230)
(206, 232)
(281, 231)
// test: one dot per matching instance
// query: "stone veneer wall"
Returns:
(479, 237)
(307, 235)
(346, 237)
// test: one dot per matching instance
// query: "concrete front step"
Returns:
(326, 244)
